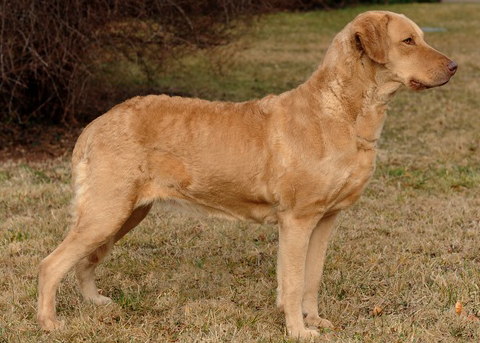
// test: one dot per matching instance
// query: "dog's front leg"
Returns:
(293, 246)
(313, 271)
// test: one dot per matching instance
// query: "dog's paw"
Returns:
(99, 299)
(51, 324)
(318, 322)
(305, 334)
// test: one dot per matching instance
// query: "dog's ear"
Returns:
(370, 36)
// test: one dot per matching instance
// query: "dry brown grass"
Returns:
(410, 246)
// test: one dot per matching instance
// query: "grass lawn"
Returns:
(410, 246)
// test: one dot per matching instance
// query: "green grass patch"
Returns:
(432, 178)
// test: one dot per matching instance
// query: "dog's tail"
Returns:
(80, 166)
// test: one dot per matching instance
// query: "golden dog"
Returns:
(297, 158)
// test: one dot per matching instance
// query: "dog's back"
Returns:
(214, 155)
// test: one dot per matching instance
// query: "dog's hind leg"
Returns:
(85, 269)
(101, 214)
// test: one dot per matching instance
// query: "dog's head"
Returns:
(396, 42)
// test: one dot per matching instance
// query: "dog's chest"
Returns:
(355, 180)
(360, 164)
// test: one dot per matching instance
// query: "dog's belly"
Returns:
(237, 209)
(229, 205)
(213, 191)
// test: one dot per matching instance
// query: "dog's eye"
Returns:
(409, 41)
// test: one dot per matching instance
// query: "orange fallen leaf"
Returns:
(459, 309)
(377, 311)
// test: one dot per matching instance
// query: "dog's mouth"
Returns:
(417, 85)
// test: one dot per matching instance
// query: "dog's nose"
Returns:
(452, 66)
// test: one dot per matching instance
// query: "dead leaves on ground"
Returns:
(460, 311)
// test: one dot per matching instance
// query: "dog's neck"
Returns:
(353, 88)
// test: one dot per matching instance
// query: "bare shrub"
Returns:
(49, 48)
